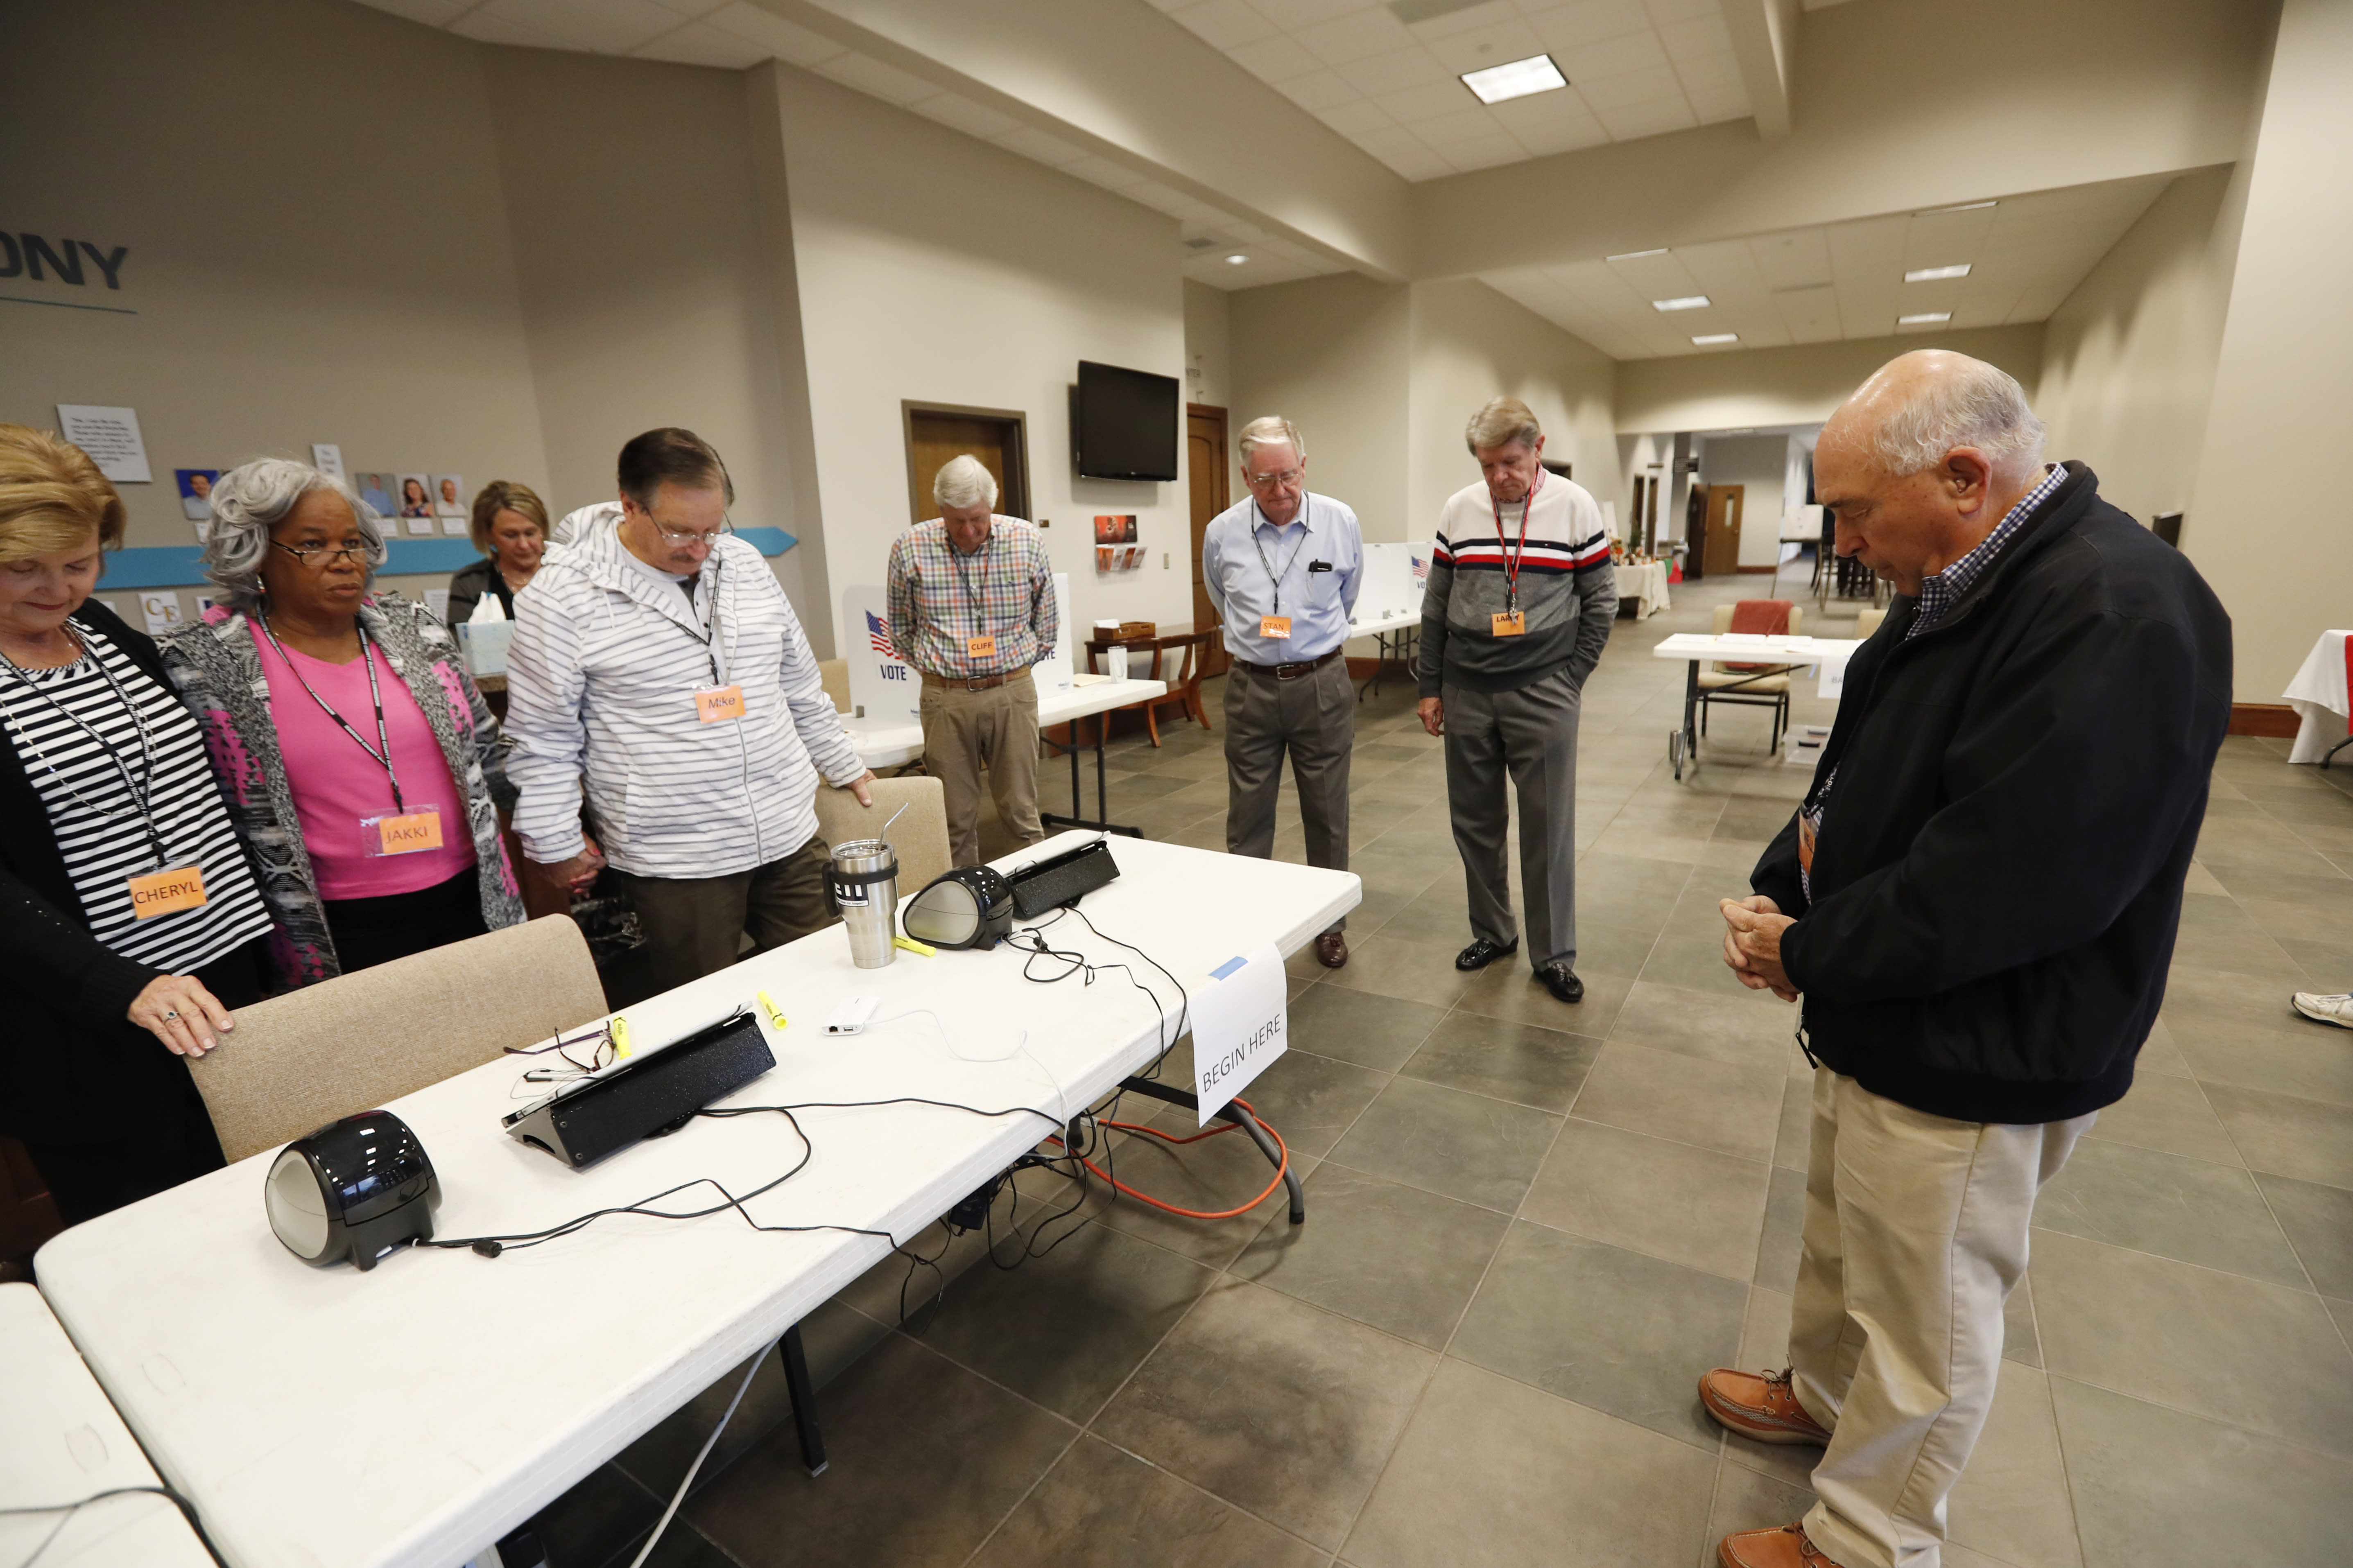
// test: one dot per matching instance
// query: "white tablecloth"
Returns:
(2319, 694)
(1646, 585)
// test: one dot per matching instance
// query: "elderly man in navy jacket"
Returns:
(1976, 901)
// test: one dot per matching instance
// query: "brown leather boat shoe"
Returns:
(1784, 1548)
(1762, 1407)
(1331, 949)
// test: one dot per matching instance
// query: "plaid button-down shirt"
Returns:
(940, 597)
(1938, 592)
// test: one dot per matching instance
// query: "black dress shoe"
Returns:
(1562, 982)
(1482, 952)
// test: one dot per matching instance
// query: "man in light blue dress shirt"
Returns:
(1283, 568)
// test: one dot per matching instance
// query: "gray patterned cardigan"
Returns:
(218, 673)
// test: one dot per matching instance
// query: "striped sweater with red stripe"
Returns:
(1568, 591)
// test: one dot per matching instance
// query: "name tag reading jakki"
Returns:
(1510, 622)
(401, 833)
(1278, 626)
(718, 704)
(163, 892)
(980, 648)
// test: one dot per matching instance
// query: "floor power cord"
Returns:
(692, 1470)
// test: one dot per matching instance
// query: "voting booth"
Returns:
(884, 688)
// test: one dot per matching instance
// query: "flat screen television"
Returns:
(1123, 423)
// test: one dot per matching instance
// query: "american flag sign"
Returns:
(877, 632)
(1420, 568)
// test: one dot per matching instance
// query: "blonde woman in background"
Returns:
(510, 531)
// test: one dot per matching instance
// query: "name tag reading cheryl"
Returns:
(1510, 622)
(406, 833)
(163, 892)
(980, 648)
(1274, 627)
(718, 704)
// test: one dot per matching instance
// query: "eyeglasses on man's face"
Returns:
(327, 554)
(686, 538)
(1282, 480)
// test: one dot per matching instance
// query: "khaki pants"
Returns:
(1914, 1235)
(694, 926)
(1314, 718)
(962, 729)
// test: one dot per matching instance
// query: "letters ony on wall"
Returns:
(35, 259)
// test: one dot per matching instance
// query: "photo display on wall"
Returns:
(196, 495)
(1115, 546)
(414, 501)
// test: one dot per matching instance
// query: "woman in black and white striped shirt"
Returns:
(131, 921)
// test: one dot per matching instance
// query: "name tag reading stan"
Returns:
(980, 648)
(1276, 626)
(163, 892)
(408, 832)
(718, 704)
(1510, 622)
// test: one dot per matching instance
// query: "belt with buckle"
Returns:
(972, 683)
(1289, 671)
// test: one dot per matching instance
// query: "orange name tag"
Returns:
(1805, 842)
(718, 704)
(980, 648)
(1274, 627)
(1511, 623)
(408, 834)
(162, 892)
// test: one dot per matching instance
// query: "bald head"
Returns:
(1923, 460)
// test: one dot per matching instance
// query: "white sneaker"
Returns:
(2337, 1010)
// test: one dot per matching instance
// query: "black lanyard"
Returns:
(1511, 558)
(375, 694)
(709, 633)
(972, 596)
(141, 790)
(1306, 526)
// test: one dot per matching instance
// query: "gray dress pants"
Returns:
(1314, 718)
(1532, 735)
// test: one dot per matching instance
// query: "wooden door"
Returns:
(1724, 529)
(1207, 471)
(936, 432)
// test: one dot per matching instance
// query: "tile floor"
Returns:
(1531, 1227)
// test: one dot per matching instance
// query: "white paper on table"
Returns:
(1834, 682)
(111, 437)
(161, 612)
(328, 458)
(1240, 1024)
(1058, 671)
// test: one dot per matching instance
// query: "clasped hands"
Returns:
(1752, 944)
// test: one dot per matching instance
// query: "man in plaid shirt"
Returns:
(972, 608)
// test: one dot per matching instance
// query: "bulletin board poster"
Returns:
(881, 680)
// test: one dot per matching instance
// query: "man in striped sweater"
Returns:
(1521, 599)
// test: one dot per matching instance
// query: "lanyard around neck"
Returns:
(381, 750)
(955, 558)
(140, 789)
(1511, 558)
(1306, 519)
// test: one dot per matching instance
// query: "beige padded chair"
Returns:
(1749, 687)
(1867, 621)
(921, 837)
(296, 1062)
(835, 673)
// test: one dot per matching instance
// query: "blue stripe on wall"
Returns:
(179, 566)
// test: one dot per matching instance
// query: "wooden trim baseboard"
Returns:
(2273, 720)
(1747, 570)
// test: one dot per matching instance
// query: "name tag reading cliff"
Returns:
(1241, 1023)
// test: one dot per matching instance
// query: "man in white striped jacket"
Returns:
(660, 662)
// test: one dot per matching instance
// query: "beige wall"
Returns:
(1798, 386)
(2267, 523)
(1330, 355)
(936, 268)
(2129, 360)
(1209, 360)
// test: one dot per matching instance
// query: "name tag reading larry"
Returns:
(980, 648)
(1274, 627)
(407, 833)
(718, 704)
(162, 892)
(1510, 622)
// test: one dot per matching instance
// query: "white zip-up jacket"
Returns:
(601, 683)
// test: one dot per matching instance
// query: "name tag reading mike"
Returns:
(980, 648)
(406, 833)
(163, 892)
(718, 704)
(1510, 622)
(1274, 627)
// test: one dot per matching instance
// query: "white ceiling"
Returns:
(2026, 253)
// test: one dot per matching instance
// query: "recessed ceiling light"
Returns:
(1236, 259)
(1925, 317)
(1635, 254)
(1712, 339)
(1516, 79)
(1686, 302)
(1963, 207)
(1936, 274)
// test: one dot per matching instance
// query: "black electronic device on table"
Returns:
(657, 1092)
(1063, 880)
(355, 1188)
(971, 906)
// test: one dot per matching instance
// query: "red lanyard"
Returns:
(1511, 558)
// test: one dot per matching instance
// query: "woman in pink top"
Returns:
(362, 769)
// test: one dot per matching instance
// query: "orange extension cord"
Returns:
(1279, 1171)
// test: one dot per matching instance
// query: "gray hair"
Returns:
(1273, 431)
(1500, 422)
(964, 481)
(251, 499)
(1972, 403)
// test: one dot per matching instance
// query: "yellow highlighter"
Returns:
(619, 1033)
(922, 949)
(776, 1014)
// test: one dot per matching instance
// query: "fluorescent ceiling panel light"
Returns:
(1963, 207)
(1635, 254)
(1712, 339)
(1936, 274)
(1515, 79)
(1236, 259)
(1687, 302)
(1924, 318)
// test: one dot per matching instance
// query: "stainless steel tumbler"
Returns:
(865, 880)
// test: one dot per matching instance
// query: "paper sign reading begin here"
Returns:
(1241, 1023)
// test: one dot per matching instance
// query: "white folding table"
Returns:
(892, 745)
(60, 1442)
(1394, 638)
(414, 1414)
(2319, 695)
(1829, 653)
